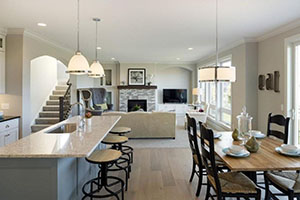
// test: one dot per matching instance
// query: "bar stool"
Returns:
(103, 158)
(122, 131)
(117, 143)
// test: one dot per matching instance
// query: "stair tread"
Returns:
(50, 118)
(41, 125)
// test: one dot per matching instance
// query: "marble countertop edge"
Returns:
(77, 144)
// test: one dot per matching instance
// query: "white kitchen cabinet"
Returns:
(11, 136)
(9, 131)
(1, 140)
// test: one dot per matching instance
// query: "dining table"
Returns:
(265, 159)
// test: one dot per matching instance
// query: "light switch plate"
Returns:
(5, 106)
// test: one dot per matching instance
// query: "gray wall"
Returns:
(244, 92)
(271, 57)
(165, 75)
(21, 48)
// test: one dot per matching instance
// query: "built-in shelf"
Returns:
(124, 87)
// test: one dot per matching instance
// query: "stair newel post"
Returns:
(61, 109)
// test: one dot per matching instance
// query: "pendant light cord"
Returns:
(96, 52)
(217, 36)
(78, 4)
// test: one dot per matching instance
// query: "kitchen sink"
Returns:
(64, 128)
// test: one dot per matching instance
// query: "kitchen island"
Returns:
(50, 164)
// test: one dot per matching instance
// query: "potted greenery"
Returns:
(136, 108)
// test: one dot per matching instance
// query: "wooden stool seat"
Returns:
(114, 139)
(104, 156)
(103, 182)
(120, 130)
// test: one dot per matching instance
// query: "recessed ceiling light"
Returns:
(191, 48)
(113, 58)
(177, 58)
(42, 24)
(99, 48)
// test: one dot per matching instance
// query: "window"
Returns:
(225, 97)
(212, 98)
(220, 100)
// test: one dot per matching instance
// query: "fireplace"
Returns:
(132, 103)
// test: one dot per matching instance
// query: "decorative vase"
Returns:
(252, 145)
(235, 135)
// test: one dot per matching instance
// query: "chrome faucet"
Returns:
(81, 114)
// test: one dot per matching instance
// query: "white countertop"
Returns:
(49, 145)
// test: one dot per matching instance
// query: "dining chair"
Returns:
(286, 182)
(196, 154)
(281, 121)
(197, 163)
(225, 184)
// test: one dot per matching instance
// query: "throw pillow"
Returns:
(103, 106)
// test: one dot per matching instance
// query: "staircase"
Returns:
(50, 113)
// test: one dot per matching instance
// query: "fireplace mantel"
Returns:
(141, 87)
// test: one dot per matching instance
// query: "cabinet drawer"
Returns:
(6, 125)
(11, 136)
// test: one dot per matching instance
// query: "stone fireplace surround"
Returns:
(137, 93)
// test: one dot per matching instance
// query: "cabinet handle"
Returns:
(7, 126)
(6, 135)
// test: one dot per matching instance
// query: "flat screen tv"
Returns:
(174, 95)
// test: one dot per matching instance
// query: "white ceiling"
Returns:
(149, 30)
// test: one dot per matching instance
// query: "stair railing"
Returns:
(65, 103)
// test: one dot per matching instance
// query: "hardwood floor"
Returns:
(162, 174)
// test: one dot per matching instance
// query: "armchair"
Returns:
(86, 96)
(95, 100)
(99, 98)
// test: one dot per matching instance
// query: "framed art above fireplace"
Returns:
(136, 76)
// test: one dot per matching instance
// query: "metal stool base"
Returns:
(99, 187)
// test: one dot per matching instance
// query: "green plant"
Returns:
(136, 108)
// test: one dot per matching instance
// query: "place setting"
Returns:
(236, 151)
(288, 150)
(257, 134)
(245, 134)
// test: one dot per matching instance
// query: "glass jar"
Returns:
(244, 122)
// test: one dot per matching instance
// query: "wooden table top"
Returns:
(265, 159)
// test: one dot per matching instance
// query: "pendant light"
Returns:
(78, 64)
(96, 68)
(217, 73)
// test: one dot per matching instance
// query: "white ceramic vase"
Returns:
(88, 121)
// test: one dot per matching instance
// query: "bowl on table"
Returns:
(289, 148)
(257, 134)
(236, 149)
